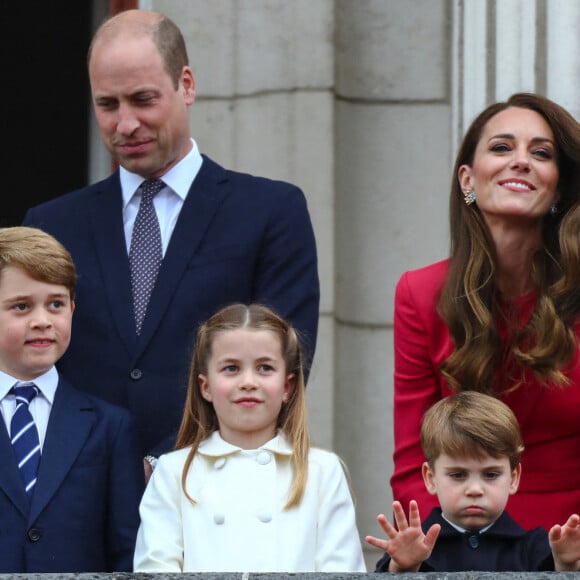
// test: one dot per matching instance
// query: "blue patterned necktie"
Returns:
(24, 435)
(145, 252)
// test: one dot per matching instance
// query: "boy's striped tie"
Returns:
(24, 435)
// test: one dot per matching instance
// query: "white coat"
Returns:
(238, 523)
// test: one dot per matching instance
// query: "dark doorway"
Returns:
(45, 101)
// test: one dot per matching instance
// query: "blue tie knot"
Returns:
(24, 392)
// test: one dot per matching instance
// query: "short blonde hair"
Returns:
(40, 255)
(470, 424)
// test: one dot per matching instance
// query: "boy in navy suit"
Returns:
(472, 445)
(72, 475)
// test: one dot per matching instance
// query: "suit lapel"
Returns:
(71, 420)
(106, 223)
(10, 480)
(207, 192)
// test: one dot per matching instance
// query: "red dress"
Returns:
(549, 417)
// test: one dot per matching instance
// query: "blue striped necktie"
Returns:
(24, 435)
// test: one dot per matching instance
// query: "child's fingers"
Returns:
(388, 528)
(400, 517)
(555, 533)
(432, 535)
(377, 542)
(414, 516)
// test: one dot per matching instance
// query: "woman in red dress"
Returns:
(501, 315)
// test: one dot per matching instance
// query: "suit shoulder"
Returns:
(75, 198)
(254, 184)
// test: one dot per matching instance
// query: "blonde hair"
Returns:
(40, 255)
(199, 417)
(470, 424)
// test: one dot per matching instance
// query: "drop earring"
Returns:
(553, 209)
(469, 197)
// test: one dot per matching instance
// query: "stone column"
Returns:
(392, 170)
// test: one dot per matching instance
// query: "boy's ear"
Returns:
(515, 478)
(72, 306)
(289, 387)
(428, 478)
(204, 387)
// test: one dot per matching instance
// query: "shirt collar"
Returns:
(215, 446)
(464, 530)
(179, 178)
(46, 383)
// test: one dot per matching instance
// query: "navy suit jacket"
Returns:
(84, 512)
(238, 238)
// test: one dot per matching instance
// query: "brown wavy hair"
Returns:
(469, 301)
(199, 417)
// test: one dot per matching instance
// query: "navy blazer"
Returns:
(238, 238)
(84, 512)
(505, 547)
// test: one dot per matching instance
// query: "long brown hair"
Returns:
(470, 298)
(199, 417)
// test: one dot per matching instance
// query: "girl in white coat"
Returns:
(244, 491)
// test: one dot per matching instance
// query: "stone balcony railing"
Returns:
(299, 576)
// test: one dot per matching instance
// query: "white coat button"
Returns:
(219, 518)
(265, 517)
(220, 462)
(264, 457)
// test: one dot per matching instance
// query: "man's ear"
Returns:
(204, 387)
(428, 478)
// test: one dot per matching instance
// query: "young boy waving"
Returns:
(472, 445)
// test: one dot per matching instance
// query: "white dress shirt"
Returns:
(168, 202)
(39, 407)
(238, 523)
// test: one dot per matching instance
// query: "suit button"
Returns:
(136, 374)
(33, 535)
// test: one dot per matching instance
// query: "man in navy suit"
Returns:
(226, 236)
(72, 476)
